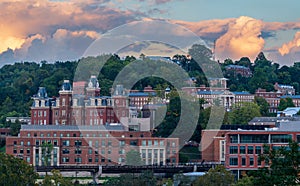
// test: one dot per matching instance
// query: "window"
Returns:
(143, 142)
(28, 134)
(78, 159)
(242, 150)
(122, 143)
(28, 143)
(233, 161)
(103, 143)
(250, 150)
(258, 150)
(37, 142)
(66, 151)
(243, 161)
(254, 138)
(21, 151)
(121, 151)
(233, 150)
(77, 151)
(149, 143)
(233, 138)
(66, 143)
(258, 162)
(161, 143)
(155, 143)
(15, 151)
(280, 138)
(55, 143)
(109, 143)
(78, 143)
(90, 160)
(90, 151)
(28, 151)
(251, 161)
(96, 159)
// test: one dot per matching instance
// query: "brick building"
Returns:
(81, 107)
(237, 69)
(239, 146)
(104, 144)
(83, 127)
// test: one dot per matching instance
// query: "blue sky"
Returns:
(52, 30)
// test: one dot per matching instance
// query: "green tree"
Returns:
(244, 113)
(283, 169)
(263, 105)
(245, 181)
(15, 172)
(133, 157)
(215, 177)
(146, 178)
(56, 179)
(285, 103)
(47, 149)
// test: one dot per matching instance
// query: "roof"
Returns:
(237, 67)
(110, 127)
(289, 126)
(291, 96)
(242, 93)
(141, 94)
(210, 92)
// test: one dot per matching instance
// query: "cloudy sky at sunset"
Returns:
(36, 30)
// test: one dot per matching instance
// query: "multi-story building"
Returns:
(83, 127)
(285, 89)
(244, 147)
(219, 94)
(76, 108)
(239, 146)
(273, 98)
(237, 69)
(103, 144)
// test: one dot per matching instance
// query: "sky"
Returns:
(61, 30)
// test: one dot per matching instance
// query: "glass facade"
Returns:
(280, 138)
(254, 138)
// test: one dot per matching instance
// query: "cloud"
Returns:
(26, 23)
(208, 29)
(288, 47)
(241, 39)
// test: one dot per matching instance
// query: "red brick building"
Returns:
(105, 144)
(76, 108)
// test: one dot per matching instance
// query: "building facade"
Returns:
(89, 145)
(81, 107)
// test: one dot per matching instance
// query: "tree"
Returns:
(263, 105)
(146, 178)
(245, 181)
(14, 171)
(215, 177)
(133, 158)
(56, 179)
(285, 103)
(244, 113)
(284, 166)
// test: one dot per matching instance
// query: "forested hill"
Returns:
(20, 81)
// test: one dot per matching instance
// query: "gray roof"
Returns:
(109, 127)
(289, 126)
